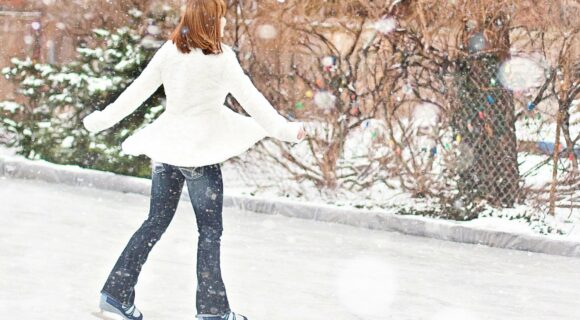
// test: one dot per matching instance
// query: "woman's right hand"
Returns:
(94, 122)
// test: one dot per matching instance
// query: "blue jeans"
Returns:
(205, 186)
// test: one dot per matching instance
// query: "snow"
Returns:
(366, 286)
(95, 84)
(257, 182)
(45, 69)
(135, 12)
(74, 79)
(537, 175)
(10, 106)
(21, 63)
(455, 314)
(57, 250)
(32, 81)
(99, 84)
(6, 152)
(386, 25)
(44, 124)
(539, 130)
(124, 64)
(60, 97)
(10, 122)
(68, 142)
(10, 154)
(101, 32)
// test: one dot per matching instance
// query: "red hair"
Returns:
(200, 26)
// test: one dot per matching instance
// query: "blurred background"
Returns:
(455, 109)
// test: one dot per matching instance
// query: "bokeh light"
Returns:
(386, 25)
(520, 73)
(324, 100)
(267, 32)
(366, 286)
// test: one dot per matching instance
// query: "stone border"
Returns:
(14, 167)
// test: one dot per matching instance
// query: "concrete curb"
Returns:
(375, 219)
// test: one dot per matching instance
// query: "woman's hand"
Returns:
(302, 133)
(93, 122)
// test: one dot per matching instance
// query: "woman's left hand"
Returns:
(302, 133)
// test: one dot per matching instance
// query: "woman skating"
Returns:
(187, 145)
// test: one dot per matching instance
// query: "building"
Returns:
(28, 31)
(49, 31)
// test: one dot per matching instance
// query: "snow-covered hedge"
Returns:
(48, 125)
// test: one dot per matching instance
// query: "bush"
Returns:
(48, 125)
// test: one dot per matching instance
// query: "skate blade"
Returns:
(106, 315)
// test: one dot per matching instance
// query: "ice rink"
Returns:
(59, 242)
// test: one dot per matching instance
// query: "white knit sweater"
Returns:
(196, 128)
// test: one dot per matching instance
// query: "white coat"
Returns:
(196, 128)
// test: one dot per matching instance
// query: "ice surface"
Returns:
(366, 286)
(59, 242)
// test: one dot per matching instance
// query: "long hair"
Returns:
(200, 26)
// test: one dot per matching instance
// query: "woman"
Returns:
(187, 144)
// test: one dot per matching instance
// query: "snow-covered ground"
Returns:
(6, 152)
(267, 182)
(532, 128)
(59, 242)
(253, 181)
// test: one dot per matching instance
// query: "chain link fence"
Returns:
(483, 121)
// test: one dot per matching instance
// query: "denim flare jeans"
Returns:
(205, 186)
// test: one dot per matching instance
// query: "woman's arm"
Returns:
(131, 98)
(242, 88)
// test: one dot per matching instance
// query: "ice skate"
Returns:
(227, 316)
(113, 309)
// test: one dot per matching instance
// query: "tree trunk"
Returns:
(485, 119)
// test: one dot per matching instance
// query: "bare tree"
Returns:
(440, 55)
